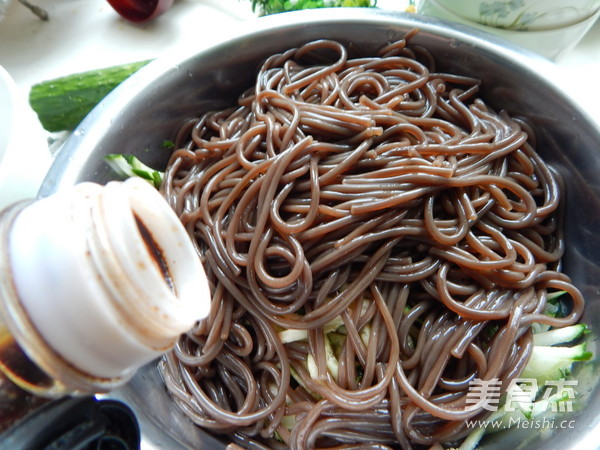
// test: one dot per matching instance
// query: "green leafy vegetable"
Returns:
(265, 7)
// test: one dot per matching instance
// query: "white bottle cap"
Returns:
(108, 275)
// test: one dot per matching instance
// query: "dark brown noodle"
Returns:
(385, 197)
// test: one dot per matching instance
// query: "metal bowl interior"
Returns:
(149, 107)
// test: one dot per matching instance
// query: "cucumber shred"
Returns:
(130, 166)
(554, 363)
(62, 103)
(560, 335)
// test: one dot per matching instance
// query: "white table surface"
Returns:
(86, 34)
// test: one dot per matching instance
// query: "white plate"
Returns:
(24, 153)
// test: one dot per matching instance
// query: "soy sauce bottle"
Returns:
(95, 282)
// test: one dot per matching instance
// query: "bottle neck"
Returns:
(26, 358)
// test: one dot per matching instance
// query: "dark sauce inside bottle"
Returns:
(15, 403)
(156, 252)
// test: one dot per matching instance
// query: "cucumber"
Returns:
(130, 166)
(554, 363)
(62, 103)
(560, 335)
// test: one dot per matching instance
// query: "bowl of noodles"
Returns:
(399, 220)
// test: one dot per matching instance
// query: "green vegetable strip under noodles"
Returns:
(376, 237)
(130, 166)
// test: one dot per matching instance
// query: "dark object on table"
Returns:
(76, 424)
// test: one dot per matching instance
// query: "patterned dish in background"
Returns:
(523, 15)
(550, 28)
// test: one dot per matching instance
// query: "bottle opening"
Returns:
(156, 253)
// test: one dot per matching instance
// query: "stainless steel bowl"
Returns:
(149, 107)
